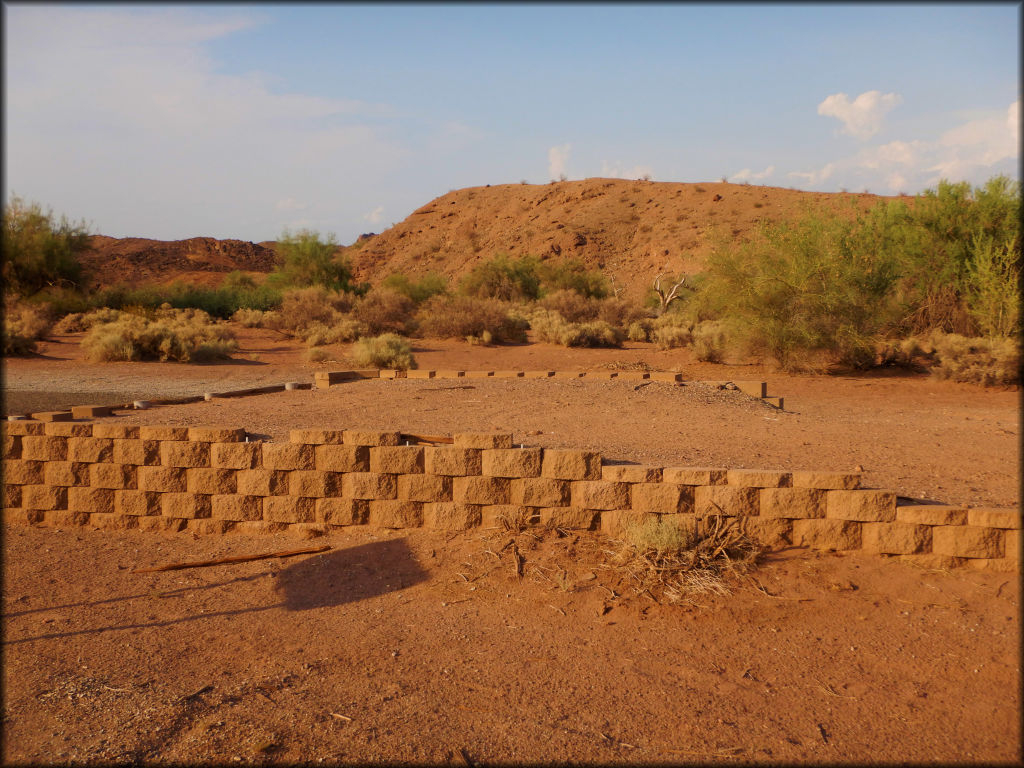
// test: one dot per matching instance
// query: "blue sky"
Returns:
(174, 121)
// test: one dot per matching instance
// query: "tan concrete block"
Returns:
(155, 432)
(431, 488)
(317, 436)
(865, 506)
(630, 473)
(634, 376)
(113, 476)
(66, 473)
(479, 374)
(896, 538)
(21, 472)
(449, 460)
(48, 416)
(597, 494)
(829, 481)
(91, 411)
(91, 449)
(571, 465)
(756, 389)
(44, 448)
(209, 527)
(185, 505)
(662, 498)
(482, 440)
(64, 518)
(616, 523)
(450, 374)
(480, 490)
(325, 379)
(666, 376)
(234, 455)
(369, 437)
(369, 485)
(395, 514)
(339, 511)
(259, 527)
(569, 374)
(261, 482)
(420, 374)
(44, 497)
(827, 534)
(18, 516)
(769, 531)
(509, 374)
(931, 514)
(932, 561)
(137, 452)
(91, 499)
(12, 496)
(512, 517)
(993, 565)
(110, 521)
(137, 503)
(286, 456)
(158, 524)
(313, 484)
(570, 517)
(216, 434)
(23, 427)
(12, 447)
(210, 481)
(728, 500)
(235, 507)
(967, 541)
(183, 453)
(1012, 545)
(450, 516)
(163, 479)
(988, 517)
(792, 503)
(539, 492)
(307, 531)
(758, 478)
(116, 431)
(694, 475)
(601, 375)
(289, 509)
(511, 462)
(397, 460)
(67, 429)
(342, 458)
(538, 374)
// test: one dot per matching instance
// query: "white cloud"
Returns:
(558, 158)
(616, 171)
(747, 175)
(862, 117)
(376, 216)
(814, 178)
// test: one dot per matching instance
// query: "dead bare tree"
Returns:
(673, 294)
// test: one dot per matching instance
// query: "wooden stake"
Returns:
(225, 560)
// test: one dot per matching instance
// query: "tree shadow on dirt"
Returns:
(348, 575)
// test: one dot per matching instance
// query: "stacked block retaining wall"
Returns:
(210, 480)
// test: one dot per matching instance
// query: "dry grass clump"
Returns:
(676, 560)
(79, 322)
(302, 307)
(709, 341)
(572, 306)
(987, 361)
(24, 325)
(186, 336)
(251, 318)
(465, 317)
(345, 330)
(384, 310)
(388, 350)
(551, 327)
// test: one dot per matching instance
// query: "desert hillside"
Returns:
(629, 229)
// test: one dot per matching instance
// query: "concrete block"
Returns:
(601, 375)
(66, 473)
(569, 374)
(339, 511)
(67, 429)
(571, 465)
(615, 523)
(758, 478)
(136, 503)
(1013, 549)
(896, 538)
(967, 541)
(630, 473)
(64, 518)
(572, 518)
(261, 482)
(12, 496)
(289, 509)
(597, 494)
(932, 561)
(342, 458)
(480, 490)
(44, 448)
(395, 514)
(420, 374)
(512, 517)
(116, 431)
(778, 402)
(234, 455)
(397, 460)
(662, 498)
(216, 434)
(482, 440)
(368, 485)
(424, 488)
(138, 452)
(450, 374)
(390, 373)
(43, 497)
(931, 514)
(210, 481)
(865, 506)
(993, 565)
(728, 500)
(666, 376)
(451, 516)
(235, 507)
(756, 389)
(21, 472)
(324, 379)
(694, 475)
(46, 416)
(449, 460)
(184, 453)
(479, 374)
(314, 484)
(91, 499)
(260, 527)
(769, 531)
(91, 449)
(511, 462)
(827, 534)
(113, 476)
(12, 447)
(987, 517)
(509, 374)
(18, 516)
(539, 492)
(185, 505)
(370, 437)
(209, 527)
(538, 374)
(317, 436)
(110, 521)
(634, 376)
(286, 456)
(154, 432)
(829, 481)
(91, 411)
(162, 479)
(792, 503)
(22, 428)
(158, 524)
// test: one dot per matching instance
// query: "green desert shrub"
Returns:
(24, 325)
(304, 259)
(571, 275)
(460, 317)
(40, 250)
(431, 284)
(388, 350)
(177, 335)
(671, 330)
(503, 278)
(343, 331)
(639, 330)
(709, 341)
(574, 307)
